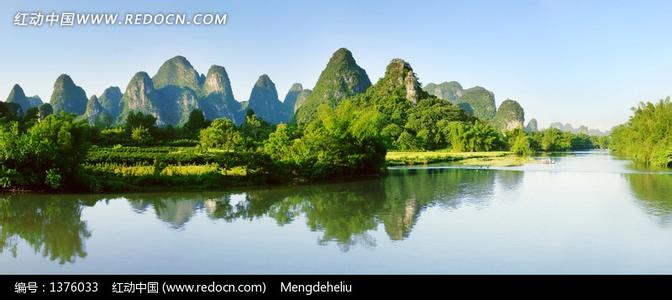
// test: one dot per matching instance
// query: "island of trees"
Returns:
(185, 129)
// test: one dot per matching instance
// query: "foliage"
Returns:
(519, 144)
(137, 119)
(254, 130)
(140, 135)
(343, 141)
(47, 156)
(647, 136)
(478, 136)
(428, 120)
(223, 134)
(341, 78)
(196, 121)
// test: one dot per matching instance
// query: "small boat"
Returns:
(547, 161)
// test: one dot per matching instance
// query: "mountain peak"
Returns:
(341, 78)
(142, 79)
(510, 115)
(219, 101)
(179, 72)
(217, 81)
(399, 72)
(64, 80)
(480, 101)
(290, 99)
(67, 96)
(265, 103)
(110, 100)
(264, 81)
(296, 87)
(451, 90)
(16, 92)
(16, 95)
(532, 126)
(342, 54)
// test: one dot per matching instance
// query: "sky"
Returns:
(584, 62)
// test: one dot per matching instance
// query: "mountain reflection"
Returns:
(344, 213)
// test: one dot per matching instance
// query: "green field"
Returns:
(491, 158)
(149, 168)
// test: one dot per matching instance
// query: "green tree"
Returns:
(254, 130)
(279, 143)
(223, 134)
(344, 141)
(647, 136)
(140, 135)
(47, 156)
(427, 119)
(519, 143)
(196, 121)
(137, 119)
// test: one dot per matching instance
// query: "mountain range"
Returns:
(177, 88)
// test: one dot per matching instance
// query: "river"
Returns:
(589, 213)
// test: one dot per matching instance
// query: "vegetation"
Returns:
(647, 136)
(341, 78)
(428, 157)
(47, 156)
(143, 139)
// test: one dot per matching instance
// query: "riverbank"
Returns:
(490, 158)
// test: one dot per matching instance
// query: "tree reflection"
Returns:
(655, 193)
(52, 226)
(346, 213)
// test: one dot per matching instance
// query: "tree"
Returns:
(519, 143)
(47, 156)
(196, 121)
(279, 143)
(554, 139)
(254, 130)
(223, 134)
(44, 110)
(427, 118)
(344, 141)
(137, 119)
(140, 135)
(647, 136)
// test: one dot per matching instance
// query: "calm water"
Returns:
(588, 213)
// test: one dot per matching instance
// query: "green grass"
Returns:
(491, 158)
(135, 168)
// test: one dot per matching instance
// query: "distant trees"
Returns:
(647, 136)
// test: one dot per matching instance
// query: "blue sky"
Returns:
(577, 61)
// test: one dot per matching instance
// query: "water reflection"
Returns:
(51, 226)
(343, 213)
(654, 191)
(346, 214)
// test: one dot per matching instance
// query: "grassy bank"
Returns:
(491, 158)
(111, 169)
